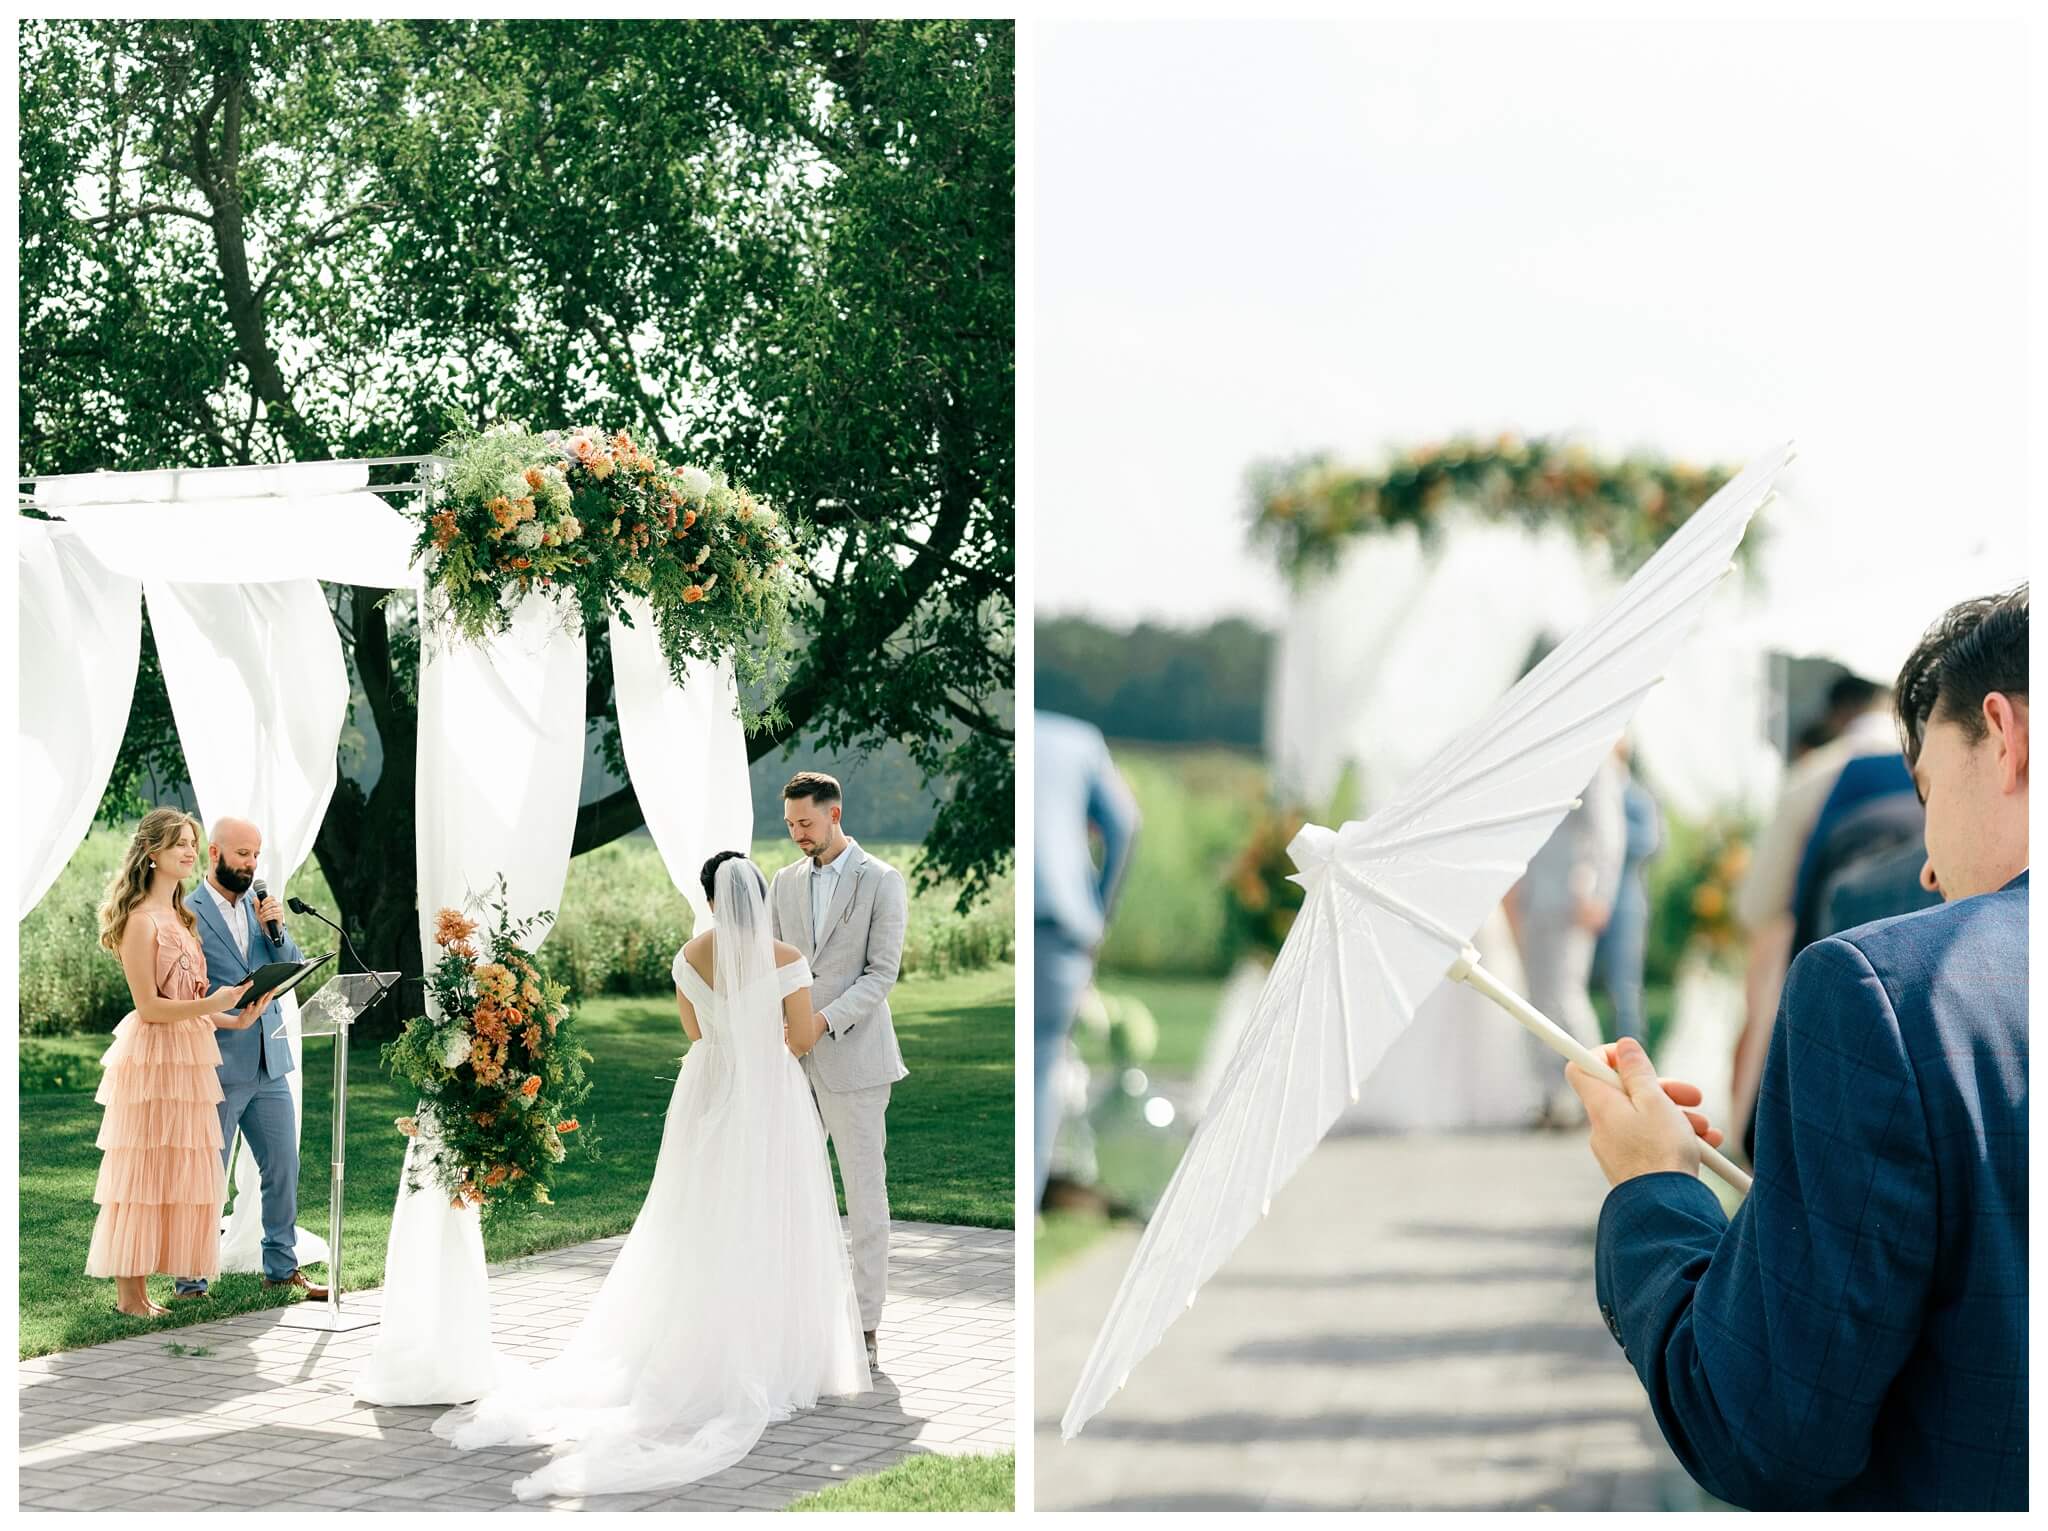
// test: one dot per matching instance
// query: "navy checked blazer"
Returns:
(1857, 1336)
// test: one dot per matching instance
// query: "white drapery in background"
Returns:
(259, 690)
(239, 525)
(81, 633)
(500, 769)
(1386, 658)
(669, 732)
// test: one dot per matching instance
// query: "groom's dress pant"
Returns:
(262, 1111)
(857, 1122)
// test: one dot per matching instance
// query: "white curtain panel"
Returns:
(239, 525)
(686, 753)
(1392, 654)
(500, 768)
(80, 633)
(259, 691)
(1387, 657)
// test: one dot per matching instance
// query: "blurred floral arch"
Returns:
(1309, 511)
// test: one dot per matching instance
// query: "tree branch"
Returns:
(150, 210)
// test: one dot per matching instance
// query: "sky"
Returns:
(1256, 240)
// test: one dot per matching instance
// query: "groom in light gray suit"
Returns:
(845, 911)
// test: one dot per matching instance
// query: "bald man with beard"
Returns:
(253, 1064)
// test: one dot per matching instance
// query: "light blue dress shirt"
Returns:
(824, 882)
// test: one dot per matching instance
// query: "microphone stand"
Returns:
(331, 1320)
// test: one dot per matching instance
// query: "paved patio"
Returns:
(1413, 1327)
(256, 1416)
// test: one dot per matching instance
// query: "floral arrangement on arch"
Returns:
(1693, 892)
(1259, 903)
(591, 519)
(499, 1069)
(1309, 512)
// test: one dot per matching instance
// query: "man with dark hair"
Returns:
(845, 910)
(1856, 1337)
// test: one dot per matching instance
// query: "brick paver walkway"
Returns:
(264, 1419)
(1413, 1327)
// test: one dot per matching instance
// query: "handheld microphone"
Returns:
(276, 930)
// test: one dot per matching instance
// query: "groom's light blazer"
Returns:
(1857, 1336)
(852, 968)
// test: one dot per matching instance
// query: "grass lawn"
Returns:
(1063, 1235)
(926, 1483)
(1185, 1008)
(951, 1127)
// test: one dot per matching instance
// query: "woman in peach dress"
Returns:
(162, 1173)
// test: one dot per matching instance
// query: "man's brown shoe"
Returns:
(298, 1279)
(190, 1296)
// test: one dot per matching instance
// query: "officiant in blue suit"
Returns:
(234, 932)
(1856, 1336)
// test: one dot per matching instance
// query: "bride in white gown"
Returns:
(732, 1302)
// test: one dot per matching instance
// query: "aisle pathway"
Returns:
(243, 1414)
(1412, 1328)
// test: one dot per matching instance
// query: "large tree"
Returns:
(784, 248)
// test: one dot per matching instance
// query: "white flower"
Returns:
(569, 529)
(695, 481)
(529, 534)
(456, 1049)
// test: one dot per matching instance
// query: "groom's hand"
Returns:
(1643, 1126)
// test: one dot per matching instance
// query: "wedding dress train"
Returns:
(731, 1304)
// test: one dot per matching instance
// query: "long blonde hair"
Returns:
(155, 836)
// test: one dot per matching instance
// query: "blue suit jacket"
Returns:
(1857, 1336)
(1077, 788)
(241, 1056)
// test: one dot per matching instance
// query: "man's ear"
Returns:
(2006, 718)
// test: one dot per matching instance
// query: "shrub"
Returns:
(621, 922)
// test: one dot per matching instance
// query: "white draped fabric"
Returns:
(1387, 657)
(239, 525)
(259, 691)
(80, 635)
(669, 733)
(500, 768)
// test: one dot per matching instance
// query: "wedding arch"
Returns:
(1419, 586)
(229, 562)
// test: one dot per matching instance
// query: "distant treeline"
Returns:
(1170, 685)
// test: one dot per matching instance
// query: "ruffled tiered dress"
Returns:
(161, 1181)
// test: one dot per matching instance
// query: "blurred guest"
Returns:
(1618, 954)
(1855, 1337)
(1558, 910)
(1876, 888)
(1078, 791)
(1860, 709)
(161, 1181)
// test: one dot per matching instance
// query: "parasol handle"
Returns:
(1468, 970)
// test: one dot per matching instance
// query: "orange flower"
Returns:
(444, 528)
(535, 478)
(451, 928)
(532, 1086)
(498, 1175)
(564, 1127)
(532, 1039)
(693, 595)
(522, 563)
(623, 442)
(689, 519)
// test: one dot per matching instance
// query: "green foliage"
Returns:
(985, 1484)
(498, 1066)
(1308, 512)
(1197, 807)
(1165, 685)
(621, 923)
(787, 247)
